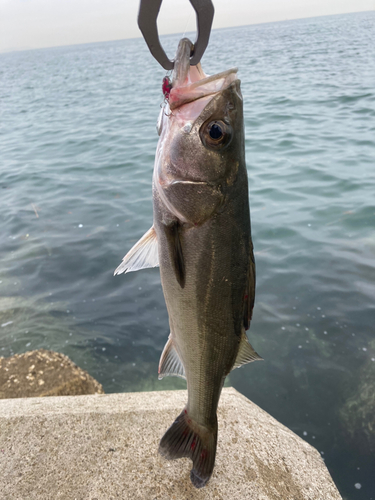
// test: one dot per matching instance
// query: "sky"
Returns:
(30, 24)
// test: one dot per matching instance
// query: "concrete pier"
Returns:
(104, 447)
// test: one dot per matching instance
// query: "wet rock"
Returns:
(44, 373)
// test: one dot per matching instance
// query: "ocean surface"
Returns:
(77, 144)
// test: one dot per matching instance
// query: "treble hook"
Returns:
(147, 16)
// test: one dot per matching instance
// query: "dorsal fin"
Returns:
(142, 255)
(170, 363)
(246, 353)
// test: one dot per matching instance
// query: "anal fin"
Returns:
(142, 255)
(170, 363)
(246, 353)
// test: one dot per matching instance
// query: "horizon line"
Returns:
(29, 49)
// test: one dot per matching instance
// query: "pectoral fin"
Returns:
(175, 252)
(250, 291)
(143, 254)
(246, 353)
(170, 363)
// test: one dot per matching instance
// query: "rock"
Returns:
(105, 447)
(44, 373)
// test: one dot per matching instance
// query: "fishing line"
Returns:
(188, 21)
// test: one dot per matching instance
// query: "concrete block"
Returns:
(104, 447)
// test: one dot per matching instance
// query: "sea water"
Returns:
(77, 143)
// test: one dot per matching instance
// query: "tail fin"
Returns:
(187, 438)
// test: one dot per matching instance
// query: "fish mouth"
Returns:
(178, 181)
(208, 86)
(165, 184)
(190, 83)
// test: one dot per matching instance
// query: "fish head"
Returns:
(201, 141)
(207, 144)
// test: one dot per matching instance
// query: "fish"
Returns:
(201, 240)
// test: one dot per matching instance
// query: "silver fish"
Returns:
(201, 239)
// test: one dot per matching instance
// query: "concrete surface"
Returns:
(44, 373)
(105, 447)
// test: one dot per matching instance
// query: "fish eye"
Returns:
(215, 134)
(215, 131)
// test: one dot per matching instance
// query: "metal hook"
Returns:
(147, 16)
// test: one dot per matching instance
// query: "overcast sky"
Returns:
(28, 24)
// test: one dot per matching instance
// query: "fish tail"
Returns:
(187, 438)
